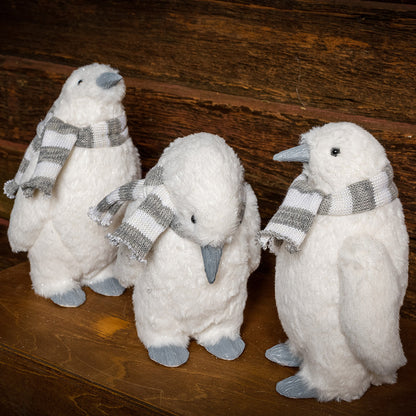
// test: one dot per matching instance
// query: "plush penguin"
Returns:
(341, 250)
(81, 151)
(192, 225)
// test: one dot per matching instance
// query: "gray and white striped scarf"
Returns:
(153, 216)
(295, 216)
(53, 143)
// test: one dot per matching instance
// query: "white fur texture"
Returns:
(339, 297)
(173, 300)
(65, 248)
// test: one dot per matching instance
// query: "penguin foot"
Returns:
(226, 348)
(169, 355)
(108, 287)
(282, 355)
(296, 388)
(71, 299)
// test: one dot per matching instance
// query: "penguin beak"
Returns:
(108, 79)
(211, 256)
(295, 154)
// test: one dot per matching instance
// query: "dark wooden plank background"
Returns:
(354, 56)
(258, 73)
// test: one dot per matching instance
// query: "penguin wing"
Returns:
(370, 300)
(27, 220)
(251, 223)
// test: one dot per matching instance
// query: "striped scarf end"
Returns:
(133, 253)
(292, 248)
(269, 240)
(102, 218)
(10, 188)
(266, 240)
(44, 185)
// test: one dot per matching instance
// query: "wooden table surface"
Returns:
(89, 360)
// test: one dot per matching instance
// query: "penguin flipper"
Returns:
(251, 222)
(370, 300)
(27, 220)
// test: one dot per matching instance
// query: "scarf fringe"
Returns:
(44, 185)
(10, 189)
(117, 241)
(103, 219)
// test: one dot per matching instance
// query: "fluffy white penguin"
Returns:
(341, 272)
(81, 151)
(193, 283)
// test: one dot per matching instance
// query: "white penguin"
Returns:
(193, 283)
(82, 151)
(341, 272)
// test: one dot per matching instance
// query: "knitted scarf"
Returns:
(295, 216)
(154, 215)
(53, 143)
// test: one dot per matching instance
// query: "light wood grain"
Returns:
(47, 343)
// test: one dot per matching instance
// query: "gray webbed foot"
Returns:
(71, 299)
(169, 355)
(226, 348)
(108, 287)
(282, 355)
(296, 388)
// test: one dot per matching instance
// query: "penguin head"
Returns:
(337, 155)
(205, 180)
(91, 94)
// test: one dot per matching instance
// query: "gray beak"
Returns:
(211, 256)
(108, 80)
(295, 154)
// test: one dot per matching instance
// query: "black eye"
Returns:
(193, 219)
(79, 82)
(335, 151)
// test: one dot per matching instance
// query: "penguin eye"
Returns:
(79, 82)
(193, 219)
(335, 151)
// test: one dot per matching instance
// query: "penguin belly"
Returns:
(174, 301)
(87, 176)
(307, 297)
